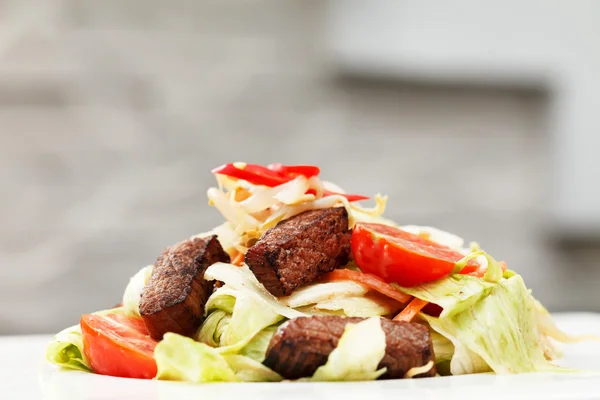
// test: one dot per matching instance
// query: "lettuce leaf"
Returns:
(442, 347)
(319, 292)
(257, 347)
(238, 324)
(356, 306)
(242, 280)
(249, 317)
(133, 291)
(454, 294)
(213, 327)
(231, 332)
(66, 350)
(248, 370)
(497, 332)
(357, 355)
(179, 358)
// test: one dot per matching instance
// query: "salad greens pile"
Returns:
(484, 326)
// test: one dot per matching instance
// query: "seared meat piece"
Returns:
(173, 299)
(301, 249)
(302, 345)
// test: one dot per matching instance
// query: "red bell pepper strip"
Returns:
(277, 174)
(293, 171)
(349, 197)
(253, 173)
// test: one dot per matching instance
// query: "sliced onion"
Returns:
(320, 292)
(294, 191)
(232, 212)
(332, 187)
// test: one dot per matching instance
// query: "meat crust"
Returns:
(173, 299)
(300, 249)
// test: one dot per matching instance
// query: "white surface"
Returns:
(549, 43)
(25, 375)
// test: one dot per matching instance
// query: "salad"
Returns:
(303, 282)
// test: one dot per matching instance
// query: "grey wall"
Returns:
(113, 112)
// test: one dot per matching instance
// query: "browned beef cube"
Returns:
(301, 249)
(302, 345)
(173, 299)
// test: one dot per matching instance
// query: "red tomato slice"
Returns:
(118, 345)
(402, 257)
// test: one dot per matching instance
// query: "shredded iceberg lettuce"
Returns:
(442, 347)
(66, 350)
(497, 332)
(179, 358)
(133, 291)
(243, 280)
(357, 306)
(239, 323)
(321, 292)
(454, 294)
(249, 317)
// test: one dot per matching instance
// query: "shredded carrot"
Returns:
(238, 259)
(411, 310)
(368, 280)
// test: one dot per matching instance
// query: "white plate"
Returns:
(25, 375)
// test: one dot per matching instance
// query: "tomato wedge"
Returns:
(118, 345)
(402, 257)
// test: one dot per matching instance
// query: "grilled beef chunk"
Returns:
(302, 345)
(301, 249)
(173, 299)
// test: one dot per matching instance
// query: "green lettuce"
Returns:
(357, 307)
(244, 329)
(498, 332)
(454, 294)
(66, 350)
(442, 347)
(213, 327)
(248, 370)
(249, 317)
(257, 347)
(458, 293)
(179, 358)
(241, 280)
(357, 355)
(133, 291)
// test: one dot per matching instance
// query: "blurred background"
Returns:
(478, 120)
